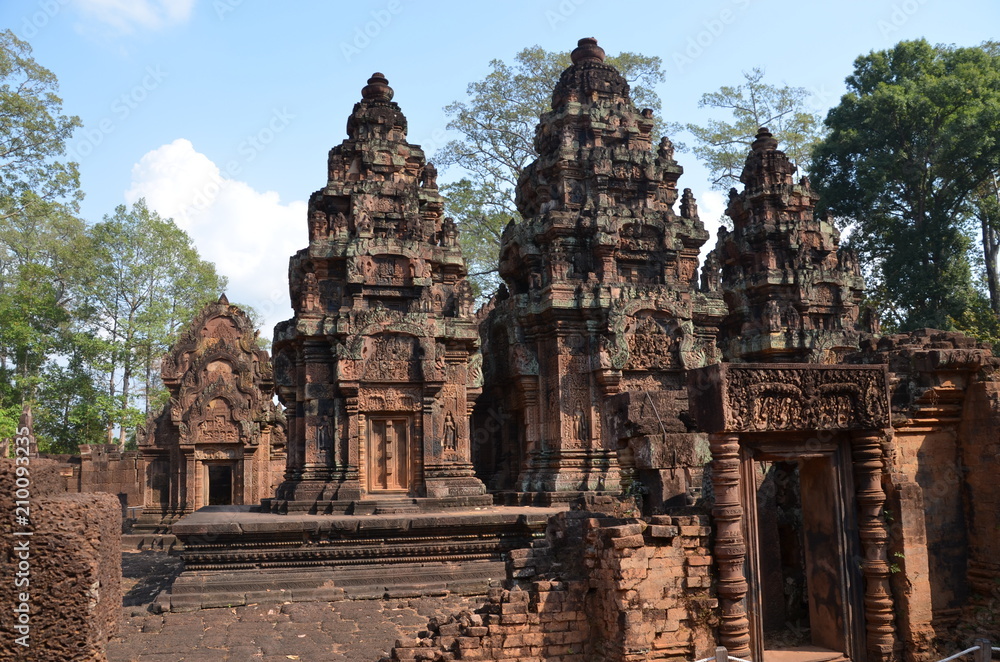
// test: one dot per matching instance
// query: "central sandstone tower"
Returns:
(601, 295)
(379, 367)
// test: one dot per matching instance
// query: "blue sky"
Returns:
(221, 112)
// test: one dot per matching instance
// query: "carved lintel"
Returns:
(751, 397)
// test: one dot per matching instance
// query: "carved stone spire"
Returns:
(792, 293)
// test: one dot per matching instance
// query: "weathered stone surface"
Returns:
(220, 440)
(600, 296)
(69, 567)
(792, 293)
(379, 367)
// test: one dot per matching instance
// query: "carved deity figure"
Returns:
(428, 178)
(310, 292)
(450, 433)
(362, 222)
(318, 225)
(449, 233)
(666, 149)
(339, 223)
(582, 425)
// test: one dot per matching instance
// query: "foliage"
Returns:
(145, 280)
(497, 124)
(911, 141)
(723, 145)
(33, 134)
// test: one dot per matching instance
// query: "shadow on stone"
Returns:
(146, 574)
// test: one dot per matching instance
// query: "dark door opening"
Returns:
(220, 485)
(802, 540)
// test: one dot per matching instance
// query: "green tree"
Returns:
(146, 280)
(723, 145)
(38, 231)
(497, 126)
(909, 146)
(33, 134)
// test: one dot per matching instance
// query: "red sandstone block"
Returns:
(513, 619)
(515, 608)
(478, 631)
(468, 642)
(699, 560)
(628, 542)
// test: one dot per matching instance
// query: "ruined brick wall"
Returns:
(940, 477)
(73, 568)
(104, 468)
(597, 588)
(980, 434)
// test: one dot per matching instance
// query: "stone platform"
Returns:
(233, 556)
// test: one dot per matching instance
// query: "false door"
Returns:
(388, 452)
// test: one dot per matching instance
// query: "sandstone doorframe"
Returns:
(738, 404)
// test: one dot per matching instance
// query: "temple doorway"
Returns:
(804, 594)
(388, 446)
(220, 484)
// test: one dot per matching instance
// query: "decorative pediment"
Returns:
(758, 397)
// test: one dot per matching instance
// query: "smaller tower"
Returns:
(793, 294)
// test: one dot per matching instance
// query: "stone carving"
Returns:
(220, 408)
(761, 397)
(384, 350)
(787, 298)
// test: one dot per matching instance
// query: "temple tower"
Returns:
(379, 367)
(220, 440)
(600, 293)
(793, 294)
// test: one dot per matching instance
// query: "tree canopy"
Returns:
(911, 146)
(85, 311)
(497, 126)
(723, 145)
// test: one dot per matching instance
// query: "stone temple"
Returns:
(631, 456)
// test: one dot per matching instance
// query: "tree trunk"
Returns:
(991, 244)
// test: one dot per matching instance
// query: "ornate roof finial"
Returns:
(377, 88)
(765, 142)
(223, 299)
(587, 50)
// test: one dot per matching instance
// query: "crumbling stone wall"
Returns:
(942, 504)
(105, 468)
(73, 568)
(596, 587)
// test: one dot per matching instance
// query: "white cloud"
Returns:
(127, 15)
(711, 210)
(248, 234)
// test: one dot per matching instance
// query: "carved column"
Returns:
(730, 547)
(879, 623)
